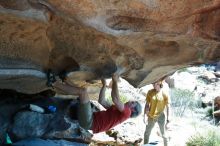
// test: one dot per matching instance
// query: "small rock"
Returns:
(209, 77)
(217, 74)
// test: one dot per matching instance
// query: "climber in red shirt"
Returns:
(102, 120)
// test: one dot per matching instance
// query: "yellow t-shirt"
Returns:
(157, 102)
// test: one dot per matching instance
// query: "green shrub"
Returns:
(183, 70)
(182, 100)
(211, 138)
(123, 98)
(209, 112)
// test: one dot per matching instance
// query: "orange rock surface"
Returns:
(144, 39)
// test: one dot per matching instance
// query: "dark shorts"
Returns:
(85, 115)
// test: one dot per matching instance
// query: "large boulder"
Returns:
(22, 122)
(217, 105)
(209, 77)
(217, 110)
(142, 40)
(30, 124)
(184, 80)
(217, 102)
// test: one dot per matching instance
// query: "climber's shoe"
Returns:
(50, 78)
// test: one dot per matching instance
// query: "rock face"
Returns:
(217, 109)
(217, 102)
(143, 40)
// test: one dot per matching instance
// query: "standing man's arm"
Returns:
(168, 112)
(146, 110)
(147, 105)
(102, 99)
(115, 93)
(168, 108)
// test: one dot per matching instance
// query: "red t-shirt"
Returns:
(105, 120)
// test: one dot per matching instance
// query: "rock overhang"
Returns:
(143, 40)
